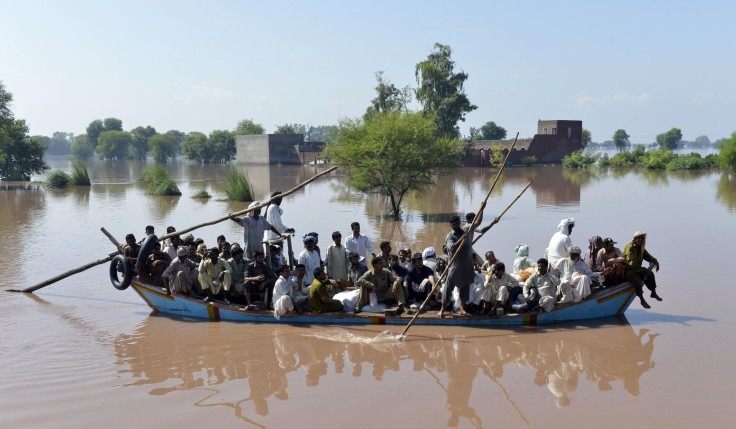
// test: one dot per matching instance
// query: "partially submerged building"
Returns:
(554, 140)
(276, 149)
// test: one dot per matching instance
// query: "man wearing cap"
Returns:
(430, 258)
(635, 253)
(336, 257)
(273, 217)
(560, 243)
(309, 257)
(575, 277)
(358, 243)
(181, 275)
(254, 226)
(612, 262)
(214, 275)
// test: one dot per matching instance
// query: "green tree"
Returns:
(394, 153)
(321, 133)
(21, 156)
(727, 153)
(248, 126)
(221, 145)
(702, 141)
(139, 146)
(163, 147)
(178, 139)
(112, 124)
(290, 129)
(670, 139)
(585, 138)
(441, 90)
(621, 140)
(388, 98)
(474, 134)
(195, 146)
(97, 127)
(491, 131)
(82, 148)
(114, 144)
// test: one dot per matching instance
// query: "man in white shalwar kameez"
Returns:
(575, 273)
(273, 217)
(559, 244)
(283, 295)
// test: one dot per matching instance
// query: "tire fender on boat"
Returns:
(127, 273)
(146, 248)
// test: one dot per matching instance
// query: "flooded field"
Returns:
(80, 353)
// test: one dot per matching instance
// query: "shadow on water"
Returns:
(644, 316)
(211, 355)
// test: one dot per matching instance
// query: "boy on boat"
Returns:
(635, 253)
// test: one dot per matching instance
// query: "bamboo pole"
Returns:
(474, 225)
(89, 265)
(504, 212)
(114, 241)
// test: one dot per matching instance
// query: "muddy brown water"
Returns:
(82, 354)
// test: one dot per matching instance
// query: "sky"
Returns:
(644, 66)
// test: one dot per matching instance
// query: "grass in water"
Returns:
(79, 175)
(528, 161)
(57, 180)
(201, 194)
(238, 185)
(159, 181)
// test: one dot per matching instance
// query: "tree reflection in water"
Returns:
(201, 361)
(726, 193)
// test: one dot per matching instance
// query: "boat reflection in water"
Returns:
(247, 367)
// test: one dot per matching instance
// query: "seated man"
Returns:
(497, 288)
(214, 275)
(237, 268)
(489, 263)
(156, 265)
(611, 262)
(309, 257)
(635, 253)
(181, 275)
(356, 269)
(283, 299)
(299, 283)
(193, 255)
(319, 296)
(541, 287)
(419, 281)
(383, 283)
(225, 251)
(385, 247)
(575, 277)
(259, 278)
(522, 261)
(404, 259)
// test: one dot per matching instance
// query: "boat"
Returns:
(603, 302)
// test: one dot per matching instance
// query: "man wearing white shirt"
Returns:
(575, 277)
(358, 243)
(273, 217)
(310, 258)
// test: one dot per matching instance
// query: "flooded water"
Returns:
(81, 354)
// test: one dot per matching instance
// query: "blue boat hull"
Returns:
(611, 301)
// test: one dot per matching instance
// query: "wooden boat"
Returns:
(603, 302)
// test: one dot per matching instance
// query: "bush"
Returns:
(528, 161)
(581, 159)
(238, 185)
(159, 181)
(57, 180)
(657, 159)
(727, 154)
(604, 161)
(164, 187)
(79, 175)
(692, 161)
(623, 159)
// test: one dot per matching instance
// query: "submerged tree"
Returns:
(139, 144)
(394, 153)
(621, 140)
(669, 139)
(21, 156)
(441, 90)
(585, 138)
(114, 144)
(162, 147)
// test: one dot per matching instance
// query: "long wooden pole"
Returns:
(504, 212)
(475, 223)
(89, 265)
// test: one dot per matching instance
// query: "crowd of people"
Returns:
(256, 273)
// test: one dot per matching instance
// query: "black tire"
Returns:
(146, 248)
(127, 273)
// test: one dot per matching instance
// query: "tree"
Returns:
(702, 141)
(394, 153)
(97, 127)
(441, 91)
(194, 147)
(114, 144)
(221, 147)
(474, 132)
(112, 124)
(178, 139)
(21, 155)
(139, 146)
(670, 139)
(389, 98)
(621, 140)
(727, 154)
(82, 148)
(585, 138)
(290, 129)
(163, 147)
(491, 131)
(321, 133)
(247, 126)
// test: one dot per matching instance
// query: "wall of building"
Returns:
(268, 149)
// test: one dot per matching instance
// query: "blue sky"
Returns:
(644, 66)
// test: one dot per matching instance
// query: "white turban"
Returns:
(429, 251)
(181, 251)
(253, 204)
(521, 250)
(564, 225)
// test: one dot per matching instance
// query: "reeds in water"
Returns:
(202, 194)
(79, 175)
(238, 185)
(159, 181)
(57, 180)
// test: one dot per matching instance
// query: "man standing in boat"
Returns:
(358, 243)
(273, 217)
(254, 227)
(635, 253)
(461, 274)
